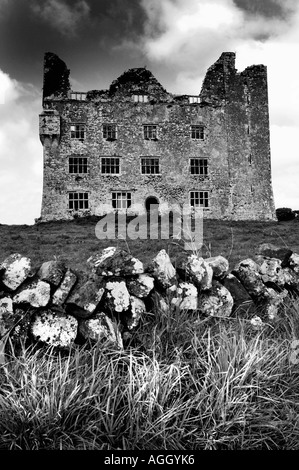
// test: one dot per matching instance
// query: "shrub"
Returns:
(285, 213)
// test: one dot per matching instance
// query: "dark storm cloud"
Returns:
(81, 32)
(267, 8)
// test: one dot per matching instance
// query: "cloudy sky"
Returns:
(176, 39)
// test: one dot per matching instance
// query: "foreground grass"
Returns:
(183, 382)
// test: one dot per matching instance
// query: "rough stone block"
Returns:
(99, 328)
(162, 269)
(268, 250)
(195, 269)
(113, 261)
(16, 268)
(54, 329)
(85, 296)
(52, 272)
(247, 271)
(141, 285)
(219, 265)
(217, 301)
(184, 296)
(117, 296)
(242, 300)
(294, 262)
(36, 294)
(63, 291)
(137, 309)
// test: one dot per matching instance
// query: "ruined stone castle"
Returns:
(136, 144)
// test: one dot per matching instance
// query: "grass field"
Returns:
(184, 382)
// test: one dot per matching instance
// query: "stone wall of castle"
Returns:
(232, 113)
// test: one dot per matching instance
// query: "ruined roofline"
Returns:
(140, 81)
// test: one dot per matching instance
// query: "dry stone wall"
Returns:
(113, 296)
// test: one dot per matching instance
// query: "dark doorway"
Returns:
(149, 202)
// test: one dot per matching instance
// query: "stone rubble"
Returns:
(109, 301)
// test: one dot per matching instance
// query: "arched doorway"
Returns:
(151, 204)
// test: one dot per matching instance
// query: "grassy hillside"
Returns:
(74, 241)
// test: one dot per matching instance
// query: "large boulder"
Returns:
(117, 296)
(196, 270)
(184, 296)
(63, 291)
(15, 269)
(86, 296)
(216, 302)
(162, 269)
(220, 266)
(113, 261)
(52, 272)
(36, 294)
(99, 328)
(54, 328)
(141, 285)
(247, 271)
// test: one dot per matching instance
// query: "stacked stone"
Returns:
(58, 306)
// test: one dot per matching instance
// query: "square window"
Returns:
(140, 98)
(199, 166)
(197, 132)
(78, 201)
(150, 132)
(199, 198)
(78, 132)
(121, 200)
(150, 166)
(109, 131)
(110, 165)
(78, 165)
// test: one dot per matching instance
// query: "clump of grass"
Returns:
(188, 383)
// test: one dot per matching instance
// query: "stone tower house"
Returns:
(136, 144)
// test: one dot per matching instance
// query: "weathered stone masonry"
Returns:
(211, 149)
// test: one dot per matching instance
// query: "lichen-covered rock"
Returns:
(216, 302)
(36, 294)
(138, 309)
(52, 272)
(268, 250)
(184, 296)
(242, 300)
(54, 329)
(63, 291)
(86, 296)
(273, 302)
(196, 270)
(220, 266)
(113, 261)
(272, 272)
(140, 286)
(117, 296)
(15, 269)
(101, 327)
(294, 262)
(162, 269)
(247, 272)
